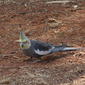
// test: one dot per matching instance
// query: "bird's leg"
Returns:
(38, 59)
(35, 60)
(30, 59)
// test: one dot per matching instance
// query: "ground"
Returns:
(37, 20)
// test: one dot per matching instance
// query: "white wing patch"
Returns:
(43, 52)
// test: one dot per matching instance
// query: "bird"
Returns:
(38, 49)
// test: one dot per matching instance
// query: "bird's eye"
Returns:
(22, 45)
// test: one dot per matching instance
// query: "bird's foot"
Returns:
(29, 59)
(33, 60)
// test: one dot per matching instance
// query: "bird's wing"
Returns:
(42, 48)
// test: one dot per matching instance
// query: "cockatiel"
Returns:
(37, 49)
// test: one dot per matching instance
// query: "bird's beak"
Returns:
(22, 38)
(18, 41)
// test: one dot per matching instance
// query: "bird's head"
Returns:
(24, 41)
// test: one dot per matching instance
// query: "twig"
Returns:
(3, 55)
(79, 53)
(9, 67)
(64, 2)
(5, 81)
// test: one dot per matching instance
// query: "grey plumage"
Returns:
(34, 48)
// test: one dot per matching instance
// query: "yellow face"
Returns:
(24, 45)
(24, 41)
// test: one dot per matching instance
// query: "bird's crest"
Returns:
(24, 41)
(22, 37)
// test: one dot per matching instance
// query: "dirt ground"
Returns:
(37, 19)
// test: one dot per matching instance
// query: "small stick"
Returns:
(64, 2)
(9, 67)
(3, 55)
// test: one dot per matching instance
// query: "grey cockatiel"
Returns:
(34, 48)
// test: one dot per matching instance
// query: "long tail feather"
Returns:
(71, 49)
(66, 48)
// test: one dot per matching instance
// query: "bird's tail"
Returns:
(66, 48)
